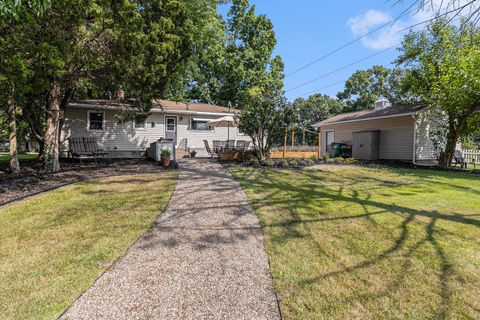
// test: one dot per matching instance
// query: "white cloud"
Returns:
(371, 19)
(393, 34)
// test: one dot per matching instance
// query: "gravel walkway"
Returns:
(204, 260)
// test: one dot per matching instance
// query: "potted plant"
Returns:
(165, 155)
(193, 153)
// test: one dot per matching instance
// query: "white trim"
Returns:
(157, 110)
(103, 120)
(140, 128)
(176, 123)
(366, 119)
(325, 138)
(414, 156)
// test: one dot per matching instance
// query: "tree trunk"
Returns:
(12, 136)
(51, 152)
(453, 135)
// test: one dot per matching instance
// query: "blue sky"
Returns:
(308, 29)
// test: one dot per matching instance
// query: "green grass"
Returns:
(4, 156)
(53, 246)
(370, 243)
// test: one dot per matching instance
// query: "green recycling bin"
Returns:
(337, 149)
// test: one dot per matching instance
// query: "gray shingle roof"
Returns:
(395, 110)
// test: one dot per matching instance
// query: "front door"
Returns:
(171, 128)
(329, 139)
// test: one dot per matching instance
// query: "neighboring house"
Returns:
(399, 132)
(167, 119)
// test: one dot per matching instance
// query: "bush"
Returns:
(283, 163)
(351, 161)
(314, 159)
(325, 157)
(338, 160)
(254, 162)
(309, 162)
(268, 163)
(295, 163)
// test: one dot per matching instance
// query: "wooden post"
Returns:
(319, 139)
(285, 145)
(293, 137)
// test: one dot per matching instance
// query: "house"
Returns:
(167, 119)
(398, 132)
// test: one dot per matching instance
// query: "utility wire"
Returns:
(338, 49)
(342, 68)
(324, 87)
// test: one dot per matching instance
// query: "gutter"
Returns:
(318, 125)
(156, 110)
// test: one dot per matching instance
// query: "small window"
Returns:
(201, 126)
(170, 124)
(95, 120)
(139, 123)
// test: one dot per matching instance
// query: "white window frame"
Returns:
(325, 139)
(134, 122)
(103, 120)
(195, 130)
(176, 123)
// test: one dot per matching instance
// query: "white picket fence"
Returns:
(471, 156)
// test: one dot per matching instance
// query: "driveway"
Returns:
(205, 259)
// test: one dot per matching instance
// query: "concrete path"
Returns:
(204, 260)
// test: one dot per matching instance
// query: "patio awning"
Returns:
(202, 119)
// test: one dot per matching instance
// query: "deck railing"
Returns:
(472, 156)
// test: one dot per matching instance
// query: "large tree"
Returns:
(103, 45)
(444, 70)
(364, 87)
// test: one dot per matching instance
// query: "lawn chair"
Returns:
(207, 147)
(240, 145)
(183, 150)
(230, 144)
(217, 145)
(247, 145)
(458, 158)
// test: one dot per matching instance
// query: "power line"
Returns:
(342, 68)
(325, 87)
(338, 49)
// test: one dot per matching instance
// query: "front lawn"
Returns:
(53, 246)
(370, 243)
(4, 156)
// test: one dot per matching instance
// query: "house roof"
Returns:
(393, 111)
(158, 106)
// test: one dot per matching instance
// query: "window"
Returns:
(96, 120)
(139, 123)
(170, 124)
(200, 125)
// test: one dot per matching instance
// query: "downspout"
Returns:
(414, 159)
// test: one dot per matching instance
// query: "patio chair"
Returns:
(85, 146)
(247, 145)
(207, 147)
(230, 144)
(240, 145)
(458, 158)
(217, 145)
(182, 150)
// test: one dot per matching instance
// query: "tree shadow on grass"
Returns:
(294, 196)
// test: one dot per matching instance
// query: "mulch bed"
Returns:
(32, 180)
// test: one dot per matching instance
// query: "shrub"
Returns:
(254, 162)
(295, 163)
(283, 163)
(309, 162)
(268, 163)
(351, 161)
(325, 157)
(338, 160)
(314, 159)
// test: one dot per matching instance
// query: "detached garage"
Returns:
(398, 132)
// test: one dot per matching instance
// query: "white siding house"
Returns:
(97, 118)
(405, 132)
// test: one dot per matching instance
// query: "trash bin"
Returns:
(337, 149)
